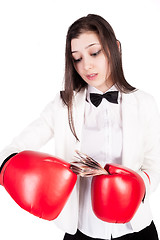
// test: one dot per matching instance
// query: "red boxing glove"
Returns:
(117, 196)
(38, 182)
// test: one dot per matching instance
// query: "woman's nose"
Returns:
(87, 64)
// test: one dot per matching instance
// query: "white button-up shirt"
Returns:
(101, 140)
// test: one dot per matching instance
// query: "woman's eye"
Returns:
(96, 53)
(77, 60)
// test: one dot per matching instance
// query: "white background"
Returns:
(32, 43)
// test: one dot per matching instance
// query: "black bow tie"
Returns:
(111, 96)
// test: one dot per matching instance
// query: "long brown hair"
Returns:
(73, 81)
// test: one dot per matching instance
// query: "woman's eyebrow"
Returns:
(90, 45)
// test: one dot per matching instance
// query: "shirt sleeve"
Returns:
(150, 170)
(35, 135)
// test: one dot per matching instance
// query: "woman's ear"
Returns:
(119, 45)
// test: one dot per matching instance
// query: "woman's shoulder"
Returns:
(58, 103)
(143, 100)
(142, 95)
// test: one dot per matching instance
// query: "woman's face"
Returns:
(90, 61)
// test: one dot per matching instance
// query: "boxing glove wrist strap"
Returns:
(6, 160)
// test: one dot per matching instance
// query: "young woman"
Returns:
(120, 126)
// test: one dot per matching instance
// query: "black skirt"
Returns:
(148, 233)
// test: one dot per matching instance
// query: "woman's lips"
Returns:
(92, 76)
